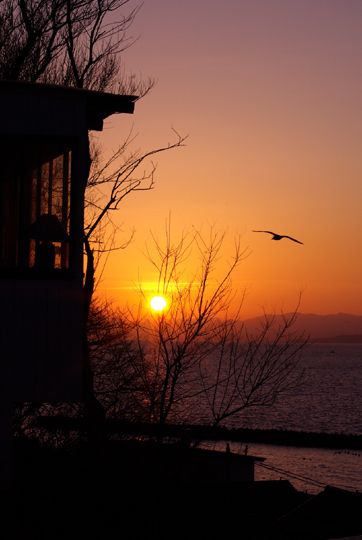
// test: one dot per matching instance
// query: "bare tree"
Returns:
(109, 182)
(252, 370)
(194, 356)
(72, 42)
(114, 356)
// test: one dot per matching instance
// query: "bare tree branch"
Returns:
(194, 356)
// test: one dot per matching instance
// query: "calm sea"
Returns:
(328, 401)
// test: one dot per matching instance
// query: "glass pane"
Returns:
(57, 187)
(35, 191)
(44, 189)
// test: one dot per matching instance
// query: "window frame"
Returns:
(41, 142)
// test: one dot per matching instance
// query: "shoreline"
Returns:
(266, 436)
(275, 437)
(188, 432)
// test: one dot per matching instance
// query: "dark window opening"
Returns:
(35, 203)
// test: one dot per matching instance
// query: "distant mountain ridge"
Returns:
(344, 326)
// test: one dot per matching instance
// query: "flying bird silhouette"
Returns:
(280, 236)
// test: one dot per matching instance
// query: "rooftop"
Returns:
(99, 105)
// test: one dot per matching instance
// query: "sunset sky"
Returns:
(270, 94)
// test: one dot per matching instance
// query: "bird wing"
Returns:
(269, 232)
(294, 240)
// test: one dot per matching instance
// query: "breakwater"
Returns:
(266, 436)
(200, 433)
(280, 437)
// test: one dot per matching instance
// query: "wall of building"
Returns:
(41, 322)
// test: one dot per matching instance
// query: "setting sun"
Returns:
(158, 303)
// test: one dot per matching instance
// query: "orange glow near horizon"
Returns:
(269, 94)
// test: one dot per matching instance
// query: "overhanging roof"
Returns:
(99, 105)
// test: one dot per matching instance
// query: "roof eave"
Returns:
(99, 105)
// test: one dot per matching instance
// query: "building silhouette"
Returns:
(45, 161)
